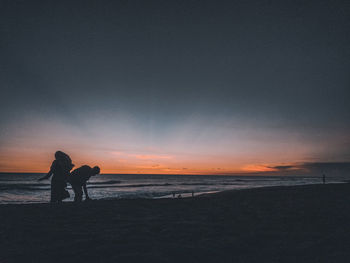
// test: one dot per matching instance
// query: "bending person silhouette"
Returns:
(59, 171)
(78, 179)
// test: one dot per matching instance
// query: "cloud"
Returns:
(315, 167)
(282, 167)
(340, 166)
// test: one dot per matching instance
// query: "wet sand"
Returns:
(276, 224)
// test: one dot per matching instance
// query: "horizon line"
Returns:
(227, 174)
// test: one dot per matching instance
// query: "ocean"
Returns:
(24, 188)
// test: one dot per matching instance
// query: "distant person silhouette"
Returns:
(59, 171)
(324, 178)
(78, 179)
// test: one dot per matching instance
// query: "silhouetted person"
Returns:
(324, 178)
(78, 179)
(59, 171)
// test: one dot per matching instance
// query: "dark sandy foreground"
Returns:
(279, 224)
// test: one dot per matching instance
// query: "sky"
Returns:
(176, 87)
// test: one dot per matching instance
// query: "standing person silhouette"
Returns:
(59, 171)
(78, 179)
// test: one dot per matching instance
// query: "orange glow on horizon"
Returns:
(128, 151)
(120, 163)
(148, 161)
(258, 168)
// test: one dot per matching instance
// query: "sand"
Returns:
(276, 224)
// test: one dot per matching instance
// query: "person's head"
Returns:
(58, 155)
(95, 171)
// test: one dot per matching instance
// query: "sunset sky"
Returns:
(176, 87)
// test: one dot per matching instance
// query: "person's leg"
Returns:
(53, 198)
(78, 193)
(62, 193)
(65, 192)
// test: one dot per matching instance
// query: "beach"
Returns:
(308, 223)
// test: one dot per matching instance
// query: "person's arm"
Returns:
(47, 176)
(86, 192)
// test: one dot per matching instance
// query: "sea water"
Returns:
(24, 188)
